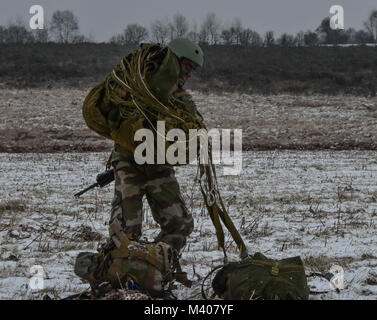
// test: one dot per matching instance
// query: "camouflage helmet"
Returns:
(186, 48)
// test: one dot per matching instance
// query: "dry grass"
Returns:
(282, 204)
(323, 263)
(54, 122)
(372, 279)
(12, 206)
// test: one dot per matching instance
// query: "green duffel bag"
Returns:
(258, 277)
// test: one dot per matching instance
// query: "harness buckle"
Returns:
(274, 271)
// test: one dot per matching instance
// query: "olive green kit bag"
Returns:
(258, 277)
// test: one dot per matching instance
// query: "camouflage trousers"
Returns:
(159, 185)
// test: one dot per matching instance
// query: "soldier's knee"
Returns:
(187, 226)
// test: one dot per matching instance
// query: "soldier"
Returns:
(166, 75)
(135, 95)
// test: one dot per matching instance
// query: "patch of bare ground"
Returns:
(50, 120)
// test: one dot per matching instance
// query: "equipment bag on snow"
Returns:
(150, 267)
(258, 277)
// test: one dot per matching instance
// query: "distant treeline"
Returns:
(64, 28)
(266, 70)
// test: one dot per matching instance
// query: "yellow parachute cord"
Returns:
(216, 208)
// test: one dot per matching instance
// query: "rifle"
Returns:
(103, 179)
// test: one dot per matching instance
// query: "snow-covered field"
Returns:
(320, 205)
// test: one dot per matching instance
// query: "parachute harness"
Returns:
(130, 75)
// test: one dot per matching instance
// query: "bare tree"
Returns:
(64, 26)
(160, 31)
(351, 35)
(287, 40)
(179, 27)
(311, 38)
(17, 33)
(237, 29)
(329, 35)
(256, 39)
(269, 38)
(3, 34)
(41, 35)
(227, 36)
(133, 34)
(193, 34)
(363, 37)
(249, 37)
(233, 34)
(371, 25)
(300, 38)
(116, 39)
(209, 32)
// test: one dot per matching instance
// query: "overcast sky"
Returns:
(104, 18)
